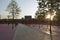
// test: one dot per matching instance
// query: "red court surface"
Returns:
(6, 32)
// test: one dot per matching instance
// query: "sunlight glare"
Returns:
(48, 16)
(48, 32)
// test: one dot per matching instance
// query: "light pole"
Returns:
(49, 16)
(50, 30)
(51, 21)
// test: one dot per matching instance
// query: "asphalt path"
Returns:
(24, 32)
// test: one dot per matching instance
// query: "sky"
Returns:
(28, 7)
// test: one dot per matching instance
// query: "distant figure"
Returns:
(26, 33)
(16, 24)
(8, 24)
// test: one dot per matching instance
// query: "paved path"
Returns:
(45, 29)
(24, 32)
(6, 32)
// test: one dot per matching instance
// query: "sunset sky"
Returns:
(28, 7)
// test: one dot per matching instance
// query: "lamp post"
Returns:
(50, 30)
(49, 16)
(50, 20)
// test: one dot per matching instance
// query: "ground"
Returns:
(7, 33)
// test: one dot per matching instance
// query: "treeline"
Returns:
(10, 21)
(24, 21)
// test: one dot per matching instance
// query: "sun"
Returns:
(49, 16)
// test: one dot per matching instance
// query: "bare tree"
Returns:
(13, 9)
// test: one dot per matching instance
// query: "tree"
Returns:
(0, 16)
(43, 7)
(57, 17)
(40, 16)
(13, 9)
(8, 16)
(39, 11)
(48, 6)
(57, 8)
